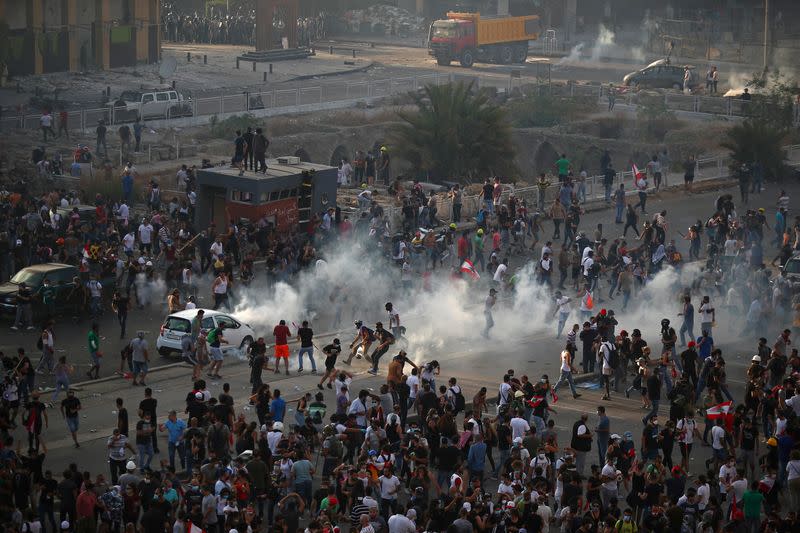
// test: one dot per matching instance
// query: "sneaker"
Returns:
(320, 387)
(77, 445)
(299, 370)
(287, 372)
(313, 371)
(29, 328)
(373, 372)
(606, 397)
(15, 328)
(330, 386)
(576, 395)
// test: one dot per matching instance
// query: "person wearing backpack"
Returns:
(608, 357)
(455, 397)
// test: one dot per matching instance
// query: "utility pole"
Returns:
(766, 33)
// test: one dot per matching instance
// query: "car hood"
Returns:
(8, 288)
(626, 80)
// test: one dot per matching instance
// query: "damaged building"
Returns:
(42, 36)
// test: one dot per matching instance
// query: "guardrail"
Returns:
(283, 99)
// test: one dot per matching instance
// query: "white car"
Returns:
(176, 325)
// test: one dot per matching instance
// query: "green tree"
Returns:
(754, 140)
(455, 132)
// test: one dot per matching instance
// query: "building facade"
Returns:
(42, 36)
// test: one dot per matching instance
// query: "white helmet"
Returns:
(277, 426)
(130, 466)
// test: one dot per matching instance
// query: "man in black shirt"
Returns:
(148, 406)
(385, 339)
(70, 406)
(258, 363)
(449, 459)
(47, 500)
(653, 394)
(122, 417)
(248, 149)
(331, 352)
(24, 312)
(306, 336)
(427, 400)
(503, 444)
(145, 431)
(68, 494)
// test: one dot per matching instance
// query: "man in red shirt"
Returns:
(84, 509)
(462, 247)
(281, 333)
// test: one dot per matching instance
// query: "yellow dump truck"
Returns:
(468, 37)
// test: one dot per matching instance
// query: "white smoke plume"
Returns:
(443, 314)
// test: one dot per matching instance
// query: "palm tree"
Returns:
(456, 132)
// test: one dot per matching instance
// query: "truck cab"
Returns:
(466, 37)
(449, 38)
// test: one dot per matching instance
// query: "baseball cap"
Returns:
(757, 358)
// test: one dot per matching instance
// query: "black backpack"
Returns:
(613, 356)
(459, 403)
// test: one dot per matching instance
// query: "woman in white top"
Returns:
(793, 478)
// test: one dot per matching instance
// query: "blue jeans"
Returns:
(566, 376)
(145, 450)
(94, 306)
(310, 351)
(171, 447)
(61, 383)
(562, 320)
(303, 488)
(620, 211)
(608, 193)
(653, 412)
(602, 448)
(488, 206)
(687, 327)
(443, 480)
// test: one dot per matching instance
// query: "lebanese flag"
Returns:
(637, 175)
(469, 269)
(534, 402)
(724, 411)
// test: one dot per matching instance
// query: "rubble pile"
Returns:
(384, 19)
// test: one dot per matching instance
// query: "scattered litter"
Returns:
(159, 390)
(246, 408)
(591, 385)
(85, 416)
(296, 387)
(114, 412)
(92, 431)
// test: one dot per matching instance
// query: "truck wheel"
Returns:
(506, 55)
(443, 60)
(520, 53)
(467, 58)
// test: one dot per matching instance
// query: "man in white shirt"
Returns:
(546, 513)
(364, 199)
(145, 237)
(562, 310)
(403, 523)
(609, 488)
(505, 391)
(500, 274)
(123, 213)
(727, 474)
(718, 444)
(216, 248)
(128, 242)
(707, 315)
(519, 426)
(390, 486)
(413, 384)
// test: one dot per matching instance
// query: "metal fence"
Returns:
(283, 99)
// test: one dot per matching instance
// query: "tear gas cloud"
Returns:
(603, 47)
(446, 313)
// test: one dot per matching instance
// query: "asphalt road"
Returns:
(473, 361)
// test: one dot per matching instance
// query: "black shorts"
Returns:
(687, 178)
(330, 363)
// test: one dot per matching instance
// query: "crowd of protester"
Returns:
(416, 455)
